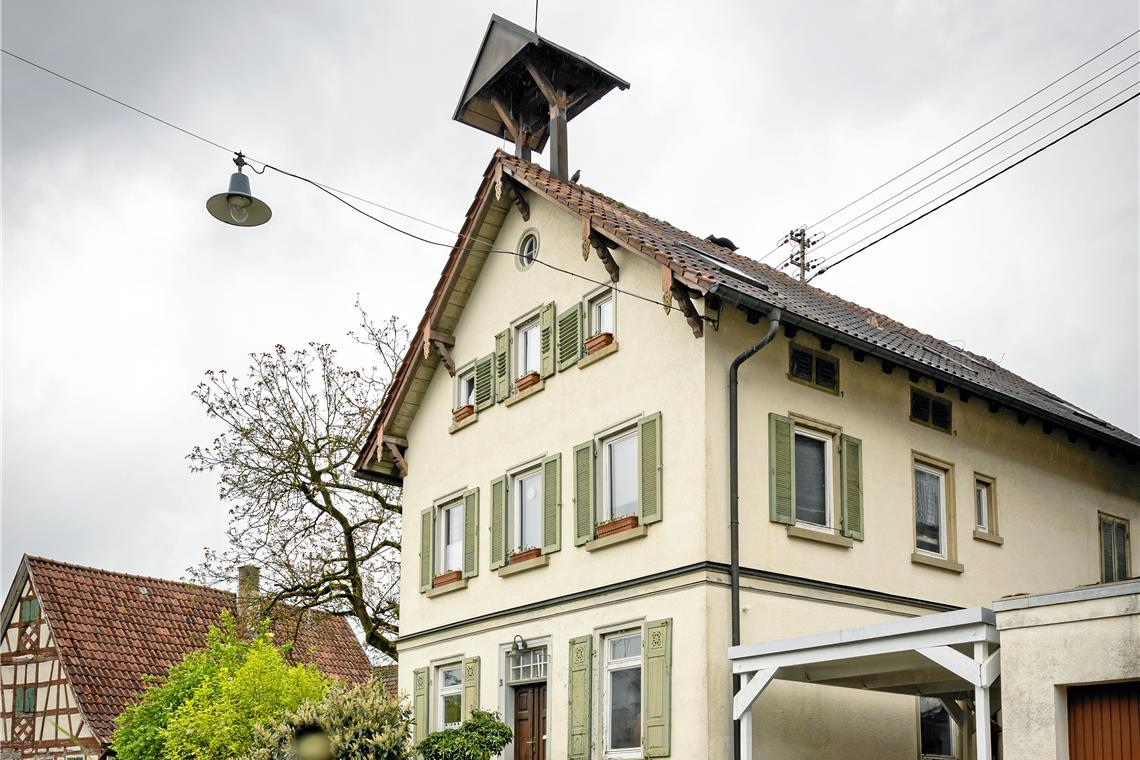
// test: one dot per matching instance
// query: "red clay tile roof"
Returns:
(721, 272)
(112, 629)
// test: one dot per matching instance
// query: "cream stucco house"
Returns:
(560, 428)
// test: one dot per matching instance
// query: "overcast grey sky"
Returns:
(743, 119)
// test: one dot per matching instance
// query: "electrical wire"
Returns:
(975, 187)
(975, 176)
(336, 193)
(976, 129)
(839, 232)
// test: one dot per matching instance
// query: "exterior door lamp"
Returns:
(237, 206)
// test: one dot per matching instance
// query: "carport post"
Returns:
(745, 724)
(982, 704)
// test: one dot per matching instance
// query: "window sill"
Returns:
(823, 537)
(616, 538)
(522, 567)
(461, 584)
(992, 538)
(598, 355)
(457, 426)
(937, 562)
(512, 400)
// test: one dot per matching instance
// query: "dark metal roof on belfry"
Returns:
(500, 72)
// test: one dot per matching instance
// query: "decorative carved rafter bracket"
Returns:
(395, 447)
(441, 343)
(672, 290)
(516, 190)
(605, 253)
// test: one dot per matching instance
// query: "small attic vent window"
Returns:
(528, 249)
(930, 411)
(813, 368)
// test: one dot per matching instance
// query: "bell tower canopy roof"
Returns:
(516, 73)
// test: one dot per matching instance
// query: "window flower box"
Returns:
(463, 413)
(598, 342)
(526, 381)
(522, 555)
(610, 527)
(443, 579)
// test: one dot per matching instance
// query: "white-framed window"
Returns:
(528, 347)
(930, 509)
(814, 481)
(527, 666)
(465, 389)
(618, 481)
(450, 529)
(528, 249)
(450, 695)
(525, 525)
(622, 697)
(935, 729)
(601, 313)
(983, 505)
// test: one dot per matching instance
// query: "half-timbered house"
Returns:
(79, 643)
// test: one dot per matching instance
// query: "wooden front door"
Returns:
(530, 722)
(1104, 722)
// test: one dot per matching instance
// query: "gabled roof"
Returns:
(718, 272)
(114, 629)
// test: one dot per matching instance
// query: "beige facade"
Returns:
(1052, 642)
(797, 580)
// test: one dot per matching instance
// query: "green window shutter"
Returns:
(502, 365)
(546, 339)
(470, 686)
(29, 610)
(851, 485)
(649, 468)
(427, 541)
(551, 504)
(570, 337)
(581, 678)
(484, 382)
(781, 470)
(471, 533)
(657, 666)
(25, 699)
(583, 493)
(420, 699)
(498, 521)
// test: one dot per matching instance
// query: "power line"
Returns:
(976, 129)
(840, 231)
(975, 187)
(332, 191)
(1054, 131)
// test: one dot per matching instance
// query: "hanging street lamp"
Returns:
(237, 206)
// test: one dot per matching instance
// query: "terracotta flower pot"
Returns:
(445, 578)
(616, 526)
(463, 413)
(598, 342)
(526, 381)
(524, 555)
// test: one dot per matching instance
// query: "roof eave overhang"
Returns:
(733, 295)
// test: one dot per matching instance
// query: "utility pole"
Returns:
(803, 242)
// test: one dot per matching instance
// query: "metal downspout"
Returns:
(734, 493)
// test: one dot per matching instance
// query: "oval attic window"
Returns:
(528, 250)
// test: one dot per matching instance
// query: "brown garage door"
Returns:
(1104, 722)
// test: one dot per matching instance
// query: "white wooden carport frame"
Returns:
(947, 656)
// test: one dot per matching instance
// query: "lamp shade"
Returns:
(237, 206)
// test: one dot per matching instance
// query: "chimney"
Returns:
(249, 598)
(524, 88)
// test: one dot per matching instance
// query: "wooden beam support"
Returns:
(516, 190)
(554, 98)
(602, 246)
(685, 302)
(508, 122)
(667, 287)
(394, 450)
(441, 342)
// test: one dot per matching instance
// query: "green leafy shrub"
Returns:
(208, 705)
(477, 738)
(361, 722)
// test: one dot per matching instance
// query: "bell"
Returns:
(237, 206)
